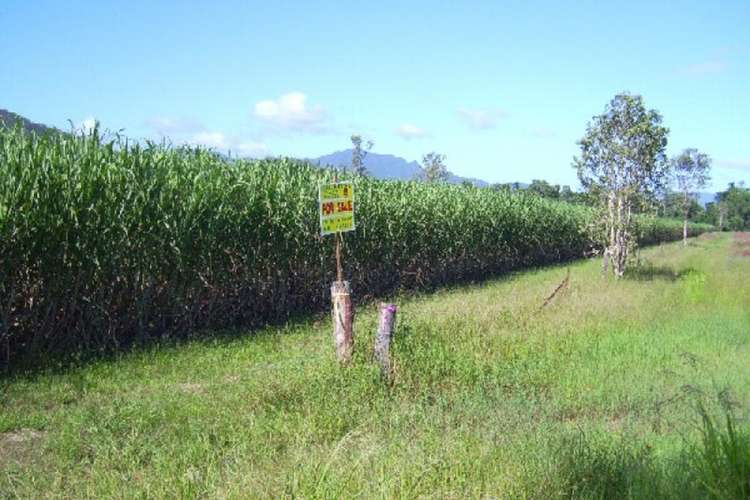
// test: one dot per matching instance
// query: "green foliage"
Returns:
(717, 466)
(103, 242)
(545, 189)
(675, 206)
(506, 186)
(731, 209)
(623, 166)
(722, 460)
(624, 150)
(433, 168)
(598, 470)
(551, 191)
(652, 230)
(690, 171)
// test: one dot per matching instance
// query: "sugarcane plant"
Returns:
(105, 241)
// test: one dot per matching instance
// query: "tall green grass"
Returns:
(717, 466)
(104, 241)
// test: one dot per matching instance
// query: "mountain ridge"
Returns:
(387, 166)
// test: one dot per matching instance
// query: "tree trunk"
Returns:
(626, 231)
(686, 209)
(605, 261)
(619, 251)
(684, 232)
(608, 253)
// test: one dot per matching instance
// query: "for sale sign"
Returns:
(336, 207)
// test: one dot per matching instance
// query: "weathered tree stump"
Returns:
(383, 338)
(343, 338)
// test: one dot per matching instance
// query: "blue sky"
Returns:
(504, 89)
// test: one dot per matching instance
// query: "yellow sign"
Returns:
(336, 207)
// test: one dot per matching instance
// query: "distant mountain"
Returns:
(455, 179)
(385, 166)
(9, 119)
(378, 165)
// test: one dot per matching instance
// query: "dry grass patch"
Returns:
(19, 447)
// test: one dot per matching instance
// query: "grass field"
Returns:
(597, 395)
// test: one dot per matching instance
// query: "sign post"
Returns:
(336, 204)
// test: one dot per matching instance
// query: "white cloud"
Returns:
(252, 149)
(480, 119)
(708, 67)
(409, 131)
(166, 126)
(291, 112)
(86, 125)
(224, 143)
(215, 140)
(734, 164)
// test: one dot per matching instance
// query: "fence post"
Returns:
(342, 321)
(383, 336)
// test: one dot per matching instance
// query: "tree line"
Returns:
(624, 170)
(729, 210)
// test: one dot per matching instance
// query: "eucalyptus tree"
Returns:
(433, 168)
(690, 171)
(359, 153)
(723, 211)
(623, 166)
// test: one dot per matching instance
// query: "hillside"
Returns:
(8, 118)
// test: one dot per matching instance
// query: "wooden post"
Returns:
(343, 338)
(383, 338)
(339, 271)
